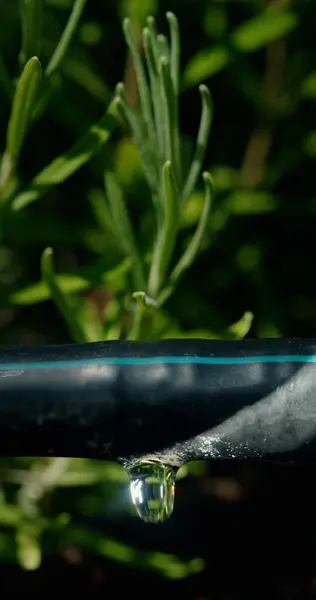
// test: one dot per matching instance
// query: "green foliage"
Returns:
(191, 251)
(66, 37)
(123, 228)
(21, 115)
(62, 301)
(252, 35)
(64, 166)
(264, 29)
(157, 127)
(204, 64)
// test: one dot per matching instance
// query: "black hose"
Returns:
(175, 399)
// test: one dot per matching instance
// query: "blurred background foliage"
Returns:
(74, 518)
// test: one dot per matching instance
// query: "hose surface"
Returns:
(175, 399)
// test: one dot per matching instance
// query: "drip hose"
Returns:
(172, 400)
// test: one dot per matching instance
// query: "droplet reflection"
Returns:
(152, 487)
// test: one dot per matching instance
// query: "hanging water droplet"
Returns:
(152, 487)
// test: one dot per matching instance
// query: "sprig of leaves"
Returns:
(20, 118)
(156, 132)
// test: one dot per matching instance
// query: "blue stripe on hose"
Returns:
(163, 360)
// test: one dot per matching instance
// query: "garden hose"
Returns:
(172, 400)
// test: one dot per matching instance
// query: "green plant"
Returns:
(156, 132)
(146, 272)
(155, 129)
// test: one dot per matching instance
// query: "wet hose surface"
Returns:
(175, 399)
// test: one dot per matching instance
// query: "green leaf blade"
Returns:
(172, 149)
(144, 94)
(61, 300)
(201, 143)
(167, 233)
(191, 252)
(175, 50)
(66, 37)
(241, 328)
(22, 109)
(124, 228)
(70, 283)
(205, 64)
(67, 164)
(264, 29)
(151, 55)
(137, 128)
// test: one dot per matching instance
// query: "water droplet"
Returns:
(152, 487)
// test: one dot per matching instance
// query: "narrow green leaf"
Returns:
(167, 232)
(101, 211)
(7, 179)
(65, 165)
(201, 143)
(23, 107)
(141, 303)
(152, 59)
(175, 50)
(71, 283)
(144, 94)
(163, 47)
(89, 315)
(175, 74)
(151, 25)
(164, 565)
(138, 132)
(191, 252)
(62, 301)
(250, 202)
(170, 118)
(248, 37)
(171, 199)
(138, 10)
(205, 64)
(83, 74)
(31, 20)
(265, 28)
(124, 228)
(35, 293)
(11, 515)
(29, 552)
(112, 331)
(241, 328)
(66, 37)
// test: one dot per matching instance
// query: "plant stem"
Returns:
(144, 94)
(66, 37)
(61, 300)
(191, 252)
(201, 143)
(166, 234)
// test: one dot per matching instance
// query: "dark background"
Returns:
(239, 530)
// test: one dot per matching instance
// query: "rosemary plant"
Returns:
(155, 129)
